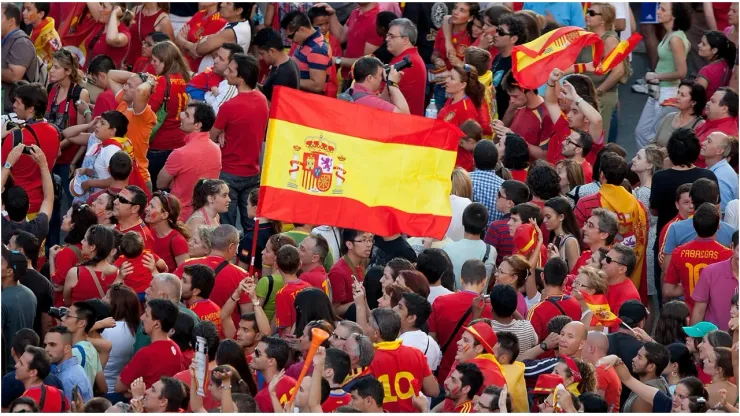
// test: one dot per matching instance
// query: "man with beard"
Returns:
(211, 85)
(576, 146)
(460, 388)
(648, 366)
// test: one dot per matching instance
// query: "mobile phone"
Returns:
(27, 150)
(76, 395)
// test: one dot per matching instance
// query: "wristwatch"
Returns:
(7, 166)
(543, 346)
(338, 61)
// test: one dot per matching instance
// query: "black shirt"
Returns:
(624, 346)
(428, 19)
(499, 68)
(38, 226)
(285, 74)
(44, 291)
(383, 54)
(663, 191)
(245, 245)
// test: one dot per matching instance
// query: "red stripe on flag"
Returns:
(341, 117)
(296, 207)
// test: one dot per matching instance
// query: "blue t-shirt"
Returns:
(681, 232)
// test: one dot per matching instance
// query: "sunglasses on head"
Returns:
(592, 13)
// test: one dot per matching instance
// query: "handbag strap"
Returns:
(457, 328)
(95, 279)
(551, 300)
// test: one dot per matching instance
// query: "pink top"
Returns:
(372, 99)
(716, 286)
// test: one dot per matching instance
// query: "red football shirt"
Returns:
(65, 260)
(619, 293)
(284, 389)
(461, 40)
(226, 282)
(335, 401)
(143, 231)
(160, 358)
(464, 159)
(285, 313)
(534, 125)
(396, 366)
(688, 260)
(555, 148)
(582, 259)
(169, 136)
(361, 27)
(208, 311)
(340, 278)
(169, 247)
(414, 81)
(202, 25)
(451, 407)
(608, 382)
(244, 132)
(106, 101)
(141, 277)
(663, 233)
(101, 47)
(53, 400)
(446, 312)
(317, 278)
(208, 402)
(540, 314)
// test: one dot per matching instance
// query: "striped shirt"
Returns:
(313, 54)
(523, 330)
(498, 236)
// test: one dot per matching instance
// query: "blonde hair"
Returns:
(655, 156)
(597, 279)
(521, 267)
(174, 62)
(462, 186)
(573, 171)
(608, 14)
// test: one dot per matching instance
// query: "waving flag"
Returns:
(336, 163)
(618, 54)
(602, 313)
(559, 48)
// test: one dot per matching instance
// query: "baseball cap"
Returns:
(546, 383)
(632, 312)
(16, 261)
(700, 329)
(484, 334)
(525, 239)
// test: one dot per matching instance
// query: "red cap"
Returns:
(484, 334)
(525, 239)
(546, 383)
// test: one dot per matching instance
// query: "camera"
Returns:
(400, 66)
(58, 313)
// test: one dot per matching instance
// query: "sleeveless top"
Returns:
(201, 213)
(586, 55)
(86, 288)
(665, 56)
(561, 247)
(143, 26)
(63, 115)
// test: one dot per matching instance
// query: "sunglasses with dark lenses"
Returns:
(124, 200)
(610, 260)
(592, 13)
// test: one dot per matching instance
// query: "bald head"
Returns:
(596, 346)
(572, 339)
(716, 147)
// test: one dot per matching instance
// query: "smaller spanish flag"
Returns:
(602, 313)
(618, 54)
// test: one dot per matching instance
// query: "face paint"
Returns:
(466, 347)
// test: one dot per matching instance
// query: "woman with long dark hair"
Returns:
(148, 18)
(231, 353)
(170, 234)
(111, 35)
(721, 54)
(75, 223)
(126, 314)
(681, 365)
(265, 230)
(91, 279)
(102, 206)
(210, 198)
(690, 101)
(466, 99)
(674, 315)
(564, 231)
(461, 23)
(313, 304)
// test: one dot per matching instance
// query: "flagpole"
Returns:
(254, 244)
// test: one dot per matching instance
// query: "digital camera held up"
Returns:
(58, 313)
(400, 66)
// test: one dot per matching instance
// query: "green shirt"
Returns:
(263, 286)
(666, 63)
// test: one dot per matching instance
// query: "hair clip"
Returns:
(701, 400)
(467, 67)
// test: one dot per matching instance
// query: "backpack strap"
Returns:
(77, 252)
(42, 400)
(220, 267)
(457, 328)
(33, 133)
(82, 353)
(488, 253)
(551, 300)
(270, 285)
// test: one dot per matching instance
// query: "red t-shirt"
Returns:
(608, 382)
(396, 366)
(414, 81)
(141, 276)
(244, 132)
(208, 311)
(169, 136)
(202, 25)
(101, 47)
(208, 401)
(160, 358)
(335, 401)
(581, 261)
(540, 314)
(283, 391)
(169, 247)
(26, 173)
(585, 207)
(461, 40)
(560, 133)
(65, 260)
(534, 125)
(465, 159)
(464, 110)
(143, 64)
(663, 233)
(226, 281)
(519, 174)
(361, 30)
(340, 278)
(588, 171)
(317, 278)
(446, 312)
(619, 293)
(285, 313)
(451, 407)
(86, 288)
(54, 402)
(688, 260)
(106, 101)
(143, 231)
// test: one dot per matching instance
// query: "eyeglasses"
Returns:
(503, 197)
(502, 33)
(124, 200)
(290, 35)
(577, 284)
(365, 241)
(610, 260)
(592, 13)
(573, 143)
(336, 337)
(392, 36)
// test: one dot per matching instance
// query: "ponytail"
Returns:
(171, 205)
(104, 241)
(726, 49)
(203, 189)
(473, 88)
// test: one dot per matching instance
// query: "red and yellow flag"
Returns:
(602, 313)
(336, 163)
(559, 48)
(618, 54)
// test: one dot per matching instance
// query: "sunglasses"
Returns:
(610, 260)
(502, 33)
(124, 200)
(592, 13)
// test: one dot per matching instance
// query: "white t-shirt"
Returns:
(121, 353)
(437, 291)
(424, 343)
(456, 231)
(731, 213)
(243, 34)
(463, 250)
(103, 161)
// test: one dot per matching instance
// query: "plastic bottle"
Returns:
(431, 111)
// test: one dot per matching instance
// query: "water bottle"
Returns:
(431, 111)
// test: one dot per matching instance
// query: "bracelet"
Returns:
(225, 387)
(550, 85)
(579, 68)
(86, 112)
(235, 300)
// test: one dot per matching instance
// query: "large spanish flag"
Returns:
(336, 163)
(559, 48)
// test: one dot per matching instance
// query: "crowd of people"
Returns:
(132, 142)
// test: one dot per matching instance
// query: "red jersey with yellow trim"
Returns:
(661, 237)
(450, 407)
(285, 313)
(335, 401)
(396, 366)
(208, 311)
(688, 260)
(493, 373)
(284, 389)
